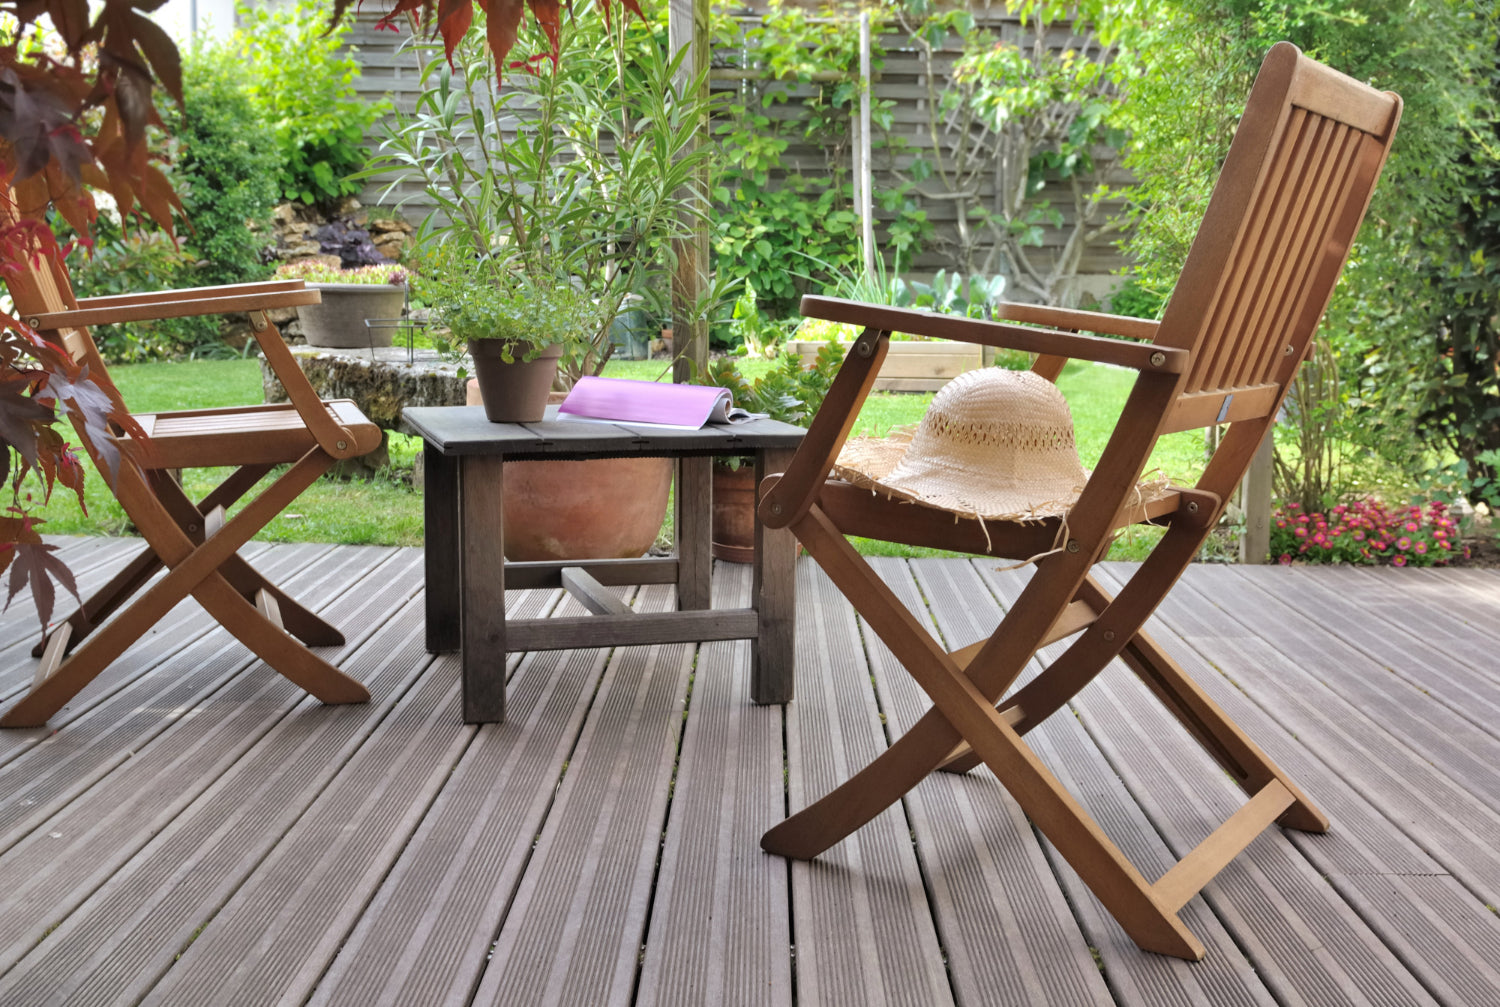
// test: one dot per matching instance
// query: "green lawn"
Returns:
(385, 511)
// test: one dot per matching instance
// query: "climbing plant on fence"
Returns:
(784, 224)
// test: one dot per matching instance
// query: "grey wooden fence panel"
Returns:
(392, 70)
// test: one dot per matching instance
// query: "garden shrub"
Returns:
(130, 263)
(299, 84)
(225, 170)
(1367, 532)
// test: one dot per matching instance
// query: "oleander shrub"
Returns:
(1367, 532)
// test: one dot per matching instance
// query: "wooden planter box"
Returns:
(913, 365)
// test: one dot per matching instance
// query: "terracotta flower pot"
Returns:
(734, 514)
(514, 392)
(601, 508)
(338, 323)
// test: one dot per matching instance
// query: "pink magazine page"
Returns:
(623, 400)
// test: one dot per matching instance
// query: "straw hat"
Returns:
(995, 444)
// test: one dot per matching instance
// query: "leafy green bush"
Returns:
(226, 168)
(298, 83)
(130, 264)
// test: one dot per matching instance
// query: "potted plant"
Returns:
(571, 184)
(514, 319)
(789, 392)
(351, 297)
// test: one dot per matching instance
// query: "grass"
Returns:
(385, 511)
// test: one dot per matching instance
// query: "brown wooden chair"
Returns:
(1285, 211)
(195, 542)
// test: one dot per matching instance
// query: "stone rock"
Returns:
(280, 316)
(382, 386)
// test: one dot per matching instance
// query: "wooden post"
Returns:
(1255, 496)
(688, 27)
(863, 179)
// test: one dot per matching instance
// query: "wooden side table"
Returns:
(467, 575)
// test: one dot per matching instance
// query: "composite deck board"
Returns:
(1448, 766)
(188, 661)
(1376, 620)
(428, 930)
(1463, 751)
(198, 830)
(719, 930)
(574, 932)
(1224, 978)
(1005, 924)
(1366, 856)
(861, 920)
(183, 862)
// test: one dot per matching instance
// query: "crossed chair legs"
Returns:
(200, 550)
(964, 727)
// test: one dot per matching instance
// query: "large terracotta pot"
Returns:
(514, 391)
(734, 513)
(338, 322)
(601, 508)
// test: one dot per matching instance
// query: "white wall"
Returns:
(182, 17)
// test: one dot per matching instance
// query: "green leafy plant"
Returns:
(953, 294)
(225, 168)
(129, 263)
(786, 231)
(299, 84)
(789, 391)
(579, 177)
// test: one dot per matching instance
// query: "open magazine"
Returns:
(654, 403)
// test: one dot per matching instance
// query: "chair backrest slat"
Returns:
(1283, 216)
(41, 285)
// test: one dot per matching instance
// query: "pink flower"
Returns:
(1300, 533)
(1398, 561)
(1411, 526)
(1358, 535)
(1421, 548)
(1403, 543)
(1285, 559)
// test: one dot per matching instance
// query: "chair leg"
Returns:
(191, 566)
(921, 750)
(103, 602)
(297, 620)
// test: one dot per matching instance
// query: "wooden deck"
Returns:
(194, 830)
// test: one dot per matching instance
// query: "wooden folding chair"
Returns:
(195, 542)
(1284, 213)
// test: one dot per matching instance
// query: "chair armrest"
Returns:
(1048, 342)
(790, 497)
(191, 293)
(333, 437)
(1079, 321)
(173, 304)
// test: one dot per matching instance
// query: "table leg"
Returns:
(694, 532)
(774, 594)
(482, 600)
(440, 546)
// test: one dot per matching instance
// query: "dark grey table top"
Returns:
(464, 430)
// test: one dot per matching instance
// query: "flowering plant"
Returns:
(1368, 532)
(314, 271)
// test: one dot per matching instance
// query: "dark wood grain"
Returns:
(774, 593)
(440, 541)
(482, 587)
